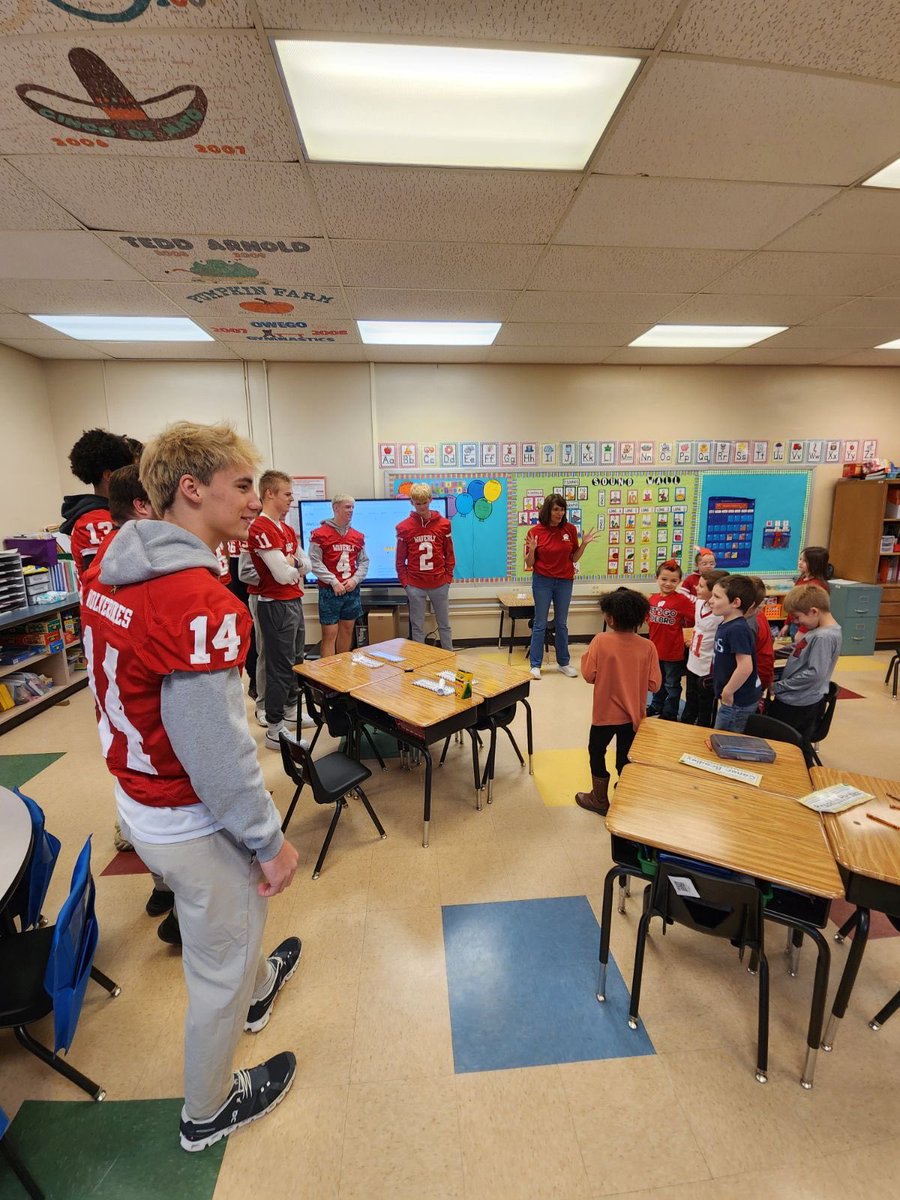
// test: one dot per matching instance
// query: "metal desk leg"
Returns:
(529, 733)
(426, 816)
(605, 922)
(795, 941)
(817, 1007)
(623, 890)
(848, 978)
(500, 634)
(491, 759)
(476, 767)
(512, 636)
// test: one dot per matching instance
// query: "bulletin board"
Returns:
(754, 520)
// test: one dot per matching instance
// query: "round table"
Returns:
(15, 842)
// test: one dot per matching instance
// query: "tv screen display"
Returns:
(377, 520)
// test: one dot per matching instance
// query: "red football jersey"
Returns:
(340, 551)
(424, 556)
(224, 561)
(136, 635)
(88, 534)
(266, 534)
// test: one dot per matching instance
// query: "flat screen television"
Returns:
(377, 520)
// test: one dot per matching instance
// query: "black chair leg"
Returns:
(643, 927)
(888, 1011)
(371, 811)
(290, 811)
(849, 924)
(444, 751)
(375, 750)
(762, 1039)
(94, 1090)
(341, 804)
(476, 770)
(312, 744)
(508, 732)
(20, 1171)
(105, 981)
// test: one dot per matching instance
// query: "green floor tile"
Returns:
(115, 1150)
(16, 769)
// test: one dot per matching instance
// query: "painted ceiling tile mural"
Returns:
(265, 258)
(61, 16)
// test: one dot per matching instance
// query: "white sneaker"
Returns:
(306, 722)
(569, 670)
(261, 718)
(535, 672)
(272, 735)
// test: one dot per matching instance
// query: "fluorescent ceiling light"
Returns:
(450, 106)
(887, 177)
(126, 329)
(709, 336)
(894, 345)
(428, 333)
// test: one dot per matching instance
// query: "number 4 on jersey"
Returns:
(225, 638)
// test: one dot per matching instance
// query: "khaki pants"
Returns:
(221, 917)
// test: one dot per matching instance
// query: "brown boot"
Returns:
(597, 800)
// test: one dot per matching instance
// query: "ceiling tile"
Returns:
(426, 354)
(595, 307)
(91, 296)
(709, 309)
(297, 352)
(234, 305)
(871, 312)
(17, 326)
(567, 334)
(432, 265)
(200, 195)
(659, 356)
(868, 358)
(427, 204)
(53, 347)
(408, 304)
(571, 355)
(864, 220)
(223, 14)
(759, 356)
(23, 206)
(224, 257)
(69, 255)
(827, 35)
(708, 120)
(825, 337)
(619, 23)
(166, 350)
(289, 330)
(613, 211)
(792, 273)
(626, 269)
(212, 90)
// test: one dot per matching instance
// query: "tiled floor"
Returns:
(378, 1109)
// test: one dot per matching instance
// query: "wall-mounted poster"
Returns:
(760, 452)
(587, 454)
(685, 453)
(646, 454)
(741, 453)
(795, 452)
(608, 454)
(665, 453)
(548, 454)
(448, 454)
(529, 454)
(387, 454)
(568, 454)
(851, 452)
(832, 452)
(778, 452)
(870, 449)
(704, 453)
(509, 454)
(407, 454)
(468, 454)
(490, 454)
(722, 452)
(626, 454)
(814, 452)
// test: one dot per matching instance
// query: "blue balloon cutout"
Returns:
(476, 489)
(464, 504)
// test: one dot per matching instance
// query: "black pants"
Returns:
(698, 704)
(802, 717)
(238, 588)
(601, 736)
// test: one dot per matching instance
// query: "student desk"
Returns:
(868, 858)
(413, 654)
(742, 828)
(518, 606)
(16, 837)
(414, 716)
(339, 673)
(659, 743)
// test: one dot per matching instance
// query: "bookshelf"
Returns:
(56, 665)
(865, 516)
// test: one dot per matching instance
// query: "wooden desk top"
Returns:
(490, 678)
(397, 695)
(661, 743)
(414, 654)
(339, 673)
(858, 844)
(522, 598)
(745, 829)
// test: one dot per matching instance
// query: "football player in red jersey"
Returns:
(280, 564)
(86, 519)
(425, 563)
(164, 641)
(340, 563)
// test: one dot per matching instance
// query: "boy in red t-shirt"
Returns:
(765, 650)
(670, 613)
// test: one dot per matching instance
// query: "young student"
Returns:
(164, 642)
(698, 704)
(765, 649)
(735, 680)
(623, 667)
(281, 565)
(670, 612)
(704, 560)
(552, 549)
(340, 563)
(425, 562)
(814, 568)
(86, 519)
(807, 673)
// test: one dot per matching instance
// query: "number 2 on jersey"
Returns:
(225, 638)
(426, 552)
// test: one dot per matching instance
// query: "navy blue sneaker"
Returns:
(285, 959)
(253, 1094)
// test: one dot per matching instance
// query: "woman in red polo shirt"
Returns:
(552, 549)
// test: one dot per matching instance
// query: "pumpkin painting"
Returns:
(267, 306)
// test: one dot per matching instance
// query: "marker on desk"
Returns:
(882, 821)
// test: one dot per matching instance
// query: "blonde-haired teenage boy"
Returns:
(425, 562)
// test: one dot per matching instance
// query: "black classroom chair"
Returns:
(894, 1003)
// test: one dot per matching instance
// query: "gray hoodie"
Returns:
(318, 567)
(202, 711)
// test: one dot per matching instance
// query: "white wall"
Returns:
(30, 492)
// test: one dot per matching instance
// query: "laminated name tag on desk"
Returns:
(435, 685)
(388, 657)
(365, 661)
(684, 886)
(717, 768)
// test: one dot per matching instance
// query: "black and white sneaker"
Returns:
(253, 1094)
(285, 959)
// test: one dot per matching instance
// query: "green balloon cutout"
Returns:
(483, 509)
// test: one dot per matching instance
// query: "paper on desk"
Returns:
(365, 661)
(834, 799)
(389, 657)
(438, 686)
(720, 768)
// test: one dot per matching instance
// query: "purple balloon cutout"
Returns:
(451, 505)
